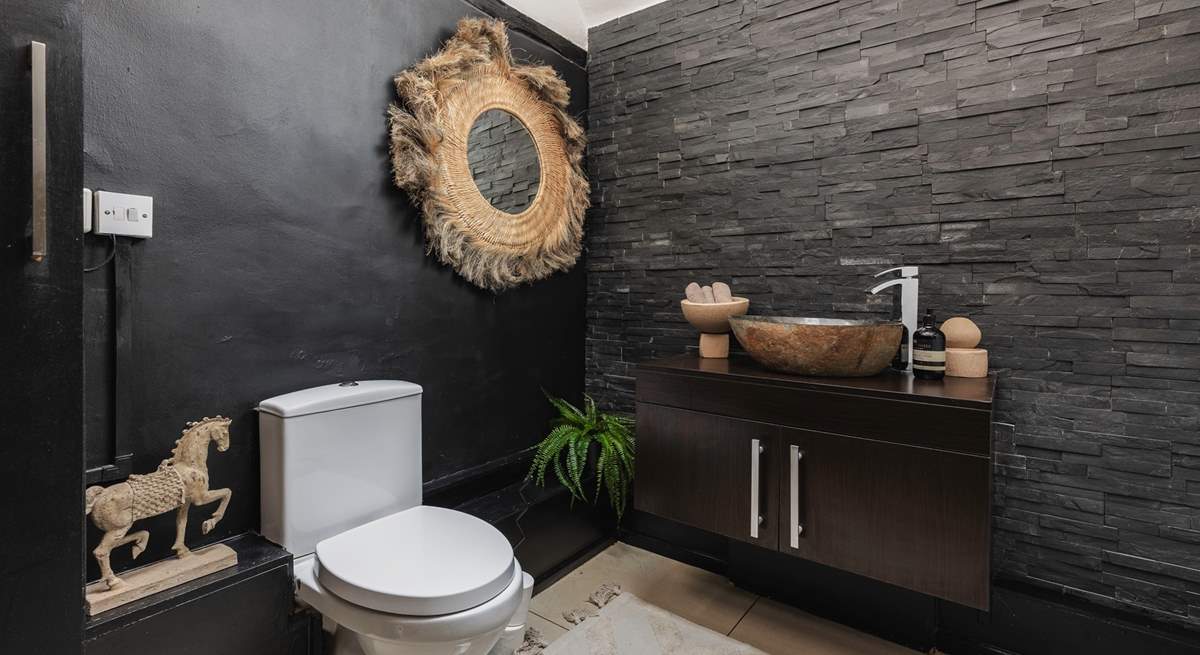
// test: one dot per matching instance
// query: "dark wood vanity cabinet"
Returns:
(710, 472)
(887, 477)
(914, 517)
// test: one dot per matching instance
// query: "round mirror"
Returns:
(504, 161)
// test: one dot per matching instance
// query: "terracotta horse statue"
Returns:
(180, 481)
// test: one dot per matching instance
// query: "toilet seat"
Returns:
(421, 562)
(475, 623)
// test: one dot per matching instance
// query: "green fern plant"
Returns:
(569, 445)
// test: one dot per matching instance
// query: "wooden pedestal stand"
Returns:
(712, 319)
(714, 346)
(156, 577)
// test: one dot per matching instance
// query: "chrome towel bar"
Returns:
(37, 62)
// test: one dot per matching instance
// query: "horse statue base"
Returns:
(153, 578)
(180, 481)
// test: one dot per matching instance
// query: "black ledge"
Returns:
(255, 555)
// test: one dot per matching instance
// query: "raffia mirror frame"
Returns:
(441, 98)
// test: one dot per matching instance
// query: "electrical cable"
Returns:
(111, 253)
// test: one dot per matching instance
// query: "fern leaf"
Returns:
(563, 477)
(574, 469)
(548, 450)
(590, 411)
(566, 411)
(567, 449)
(601, 462)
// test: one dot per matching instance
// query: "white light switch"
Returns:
(124, 214)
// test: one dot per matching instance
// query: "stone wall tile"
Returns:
(1039, 159)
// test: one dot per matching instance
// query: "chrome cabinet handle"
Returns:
(756, 518)
(795, 528)
(37, 58)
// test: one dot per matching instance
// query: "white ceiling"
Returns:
(599, 12)
(572, 18)
(562, 16)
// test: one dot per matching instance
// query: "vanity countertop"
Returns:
(973, 393)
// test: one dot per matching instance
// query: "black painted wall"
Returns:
(41, 395)
(283, 257)
(1039, 160)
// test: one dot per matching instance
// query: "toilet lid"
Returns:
(424, 561)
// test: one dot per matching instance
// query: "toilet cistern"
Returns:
(906, 277)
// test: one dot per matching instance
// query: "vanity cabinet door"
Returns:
(710, 472)
(915, 517)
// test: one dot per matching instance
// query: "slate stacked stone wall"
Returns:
(504, 161)
(1038, 159)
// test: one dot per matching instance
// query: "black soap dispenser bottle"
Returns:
(929, 350)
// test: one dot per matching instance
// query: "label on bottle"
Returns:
(929, 360)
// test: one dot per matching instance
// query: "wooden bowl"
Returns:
(713, 318)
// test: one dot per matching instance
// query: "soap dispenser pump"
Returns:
(929, 350)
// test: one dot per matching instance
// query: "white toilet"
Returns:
(341, 490)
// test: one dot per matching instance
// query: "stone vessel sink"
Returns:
(827, 347)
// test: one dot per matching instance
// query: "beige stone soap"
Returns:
(721, 292)
(708, 294)
(963, 359)
(961, 332)
(694, 293)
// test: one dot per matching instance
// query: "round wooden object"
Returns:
(961, 332)
(966, 362)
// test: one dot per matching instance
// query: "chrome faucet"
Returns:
(907, 279)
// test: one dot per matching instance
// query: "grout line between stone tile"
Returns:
(743, 616)
(546, 618)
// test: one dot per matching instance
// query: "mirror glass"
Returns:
(504, 161)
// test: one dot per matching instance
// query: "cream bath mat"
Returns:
(626, 625)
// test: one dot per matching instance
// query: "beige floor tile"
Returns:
(782, 630)
(549, 629)
(695, 594)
